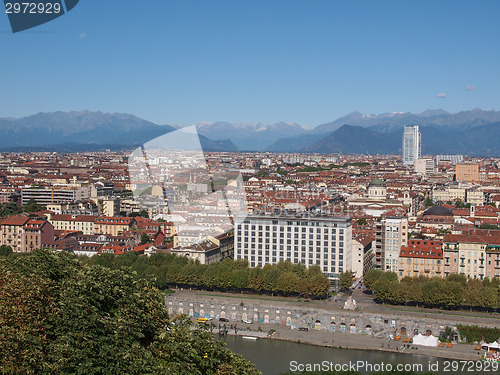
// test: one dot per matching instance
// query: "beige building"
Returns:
(81, 223)
(475, 196)
(424, 167)
(421, 258)
(467, 172)
(112, 225)
(448, 194)
(470, 250)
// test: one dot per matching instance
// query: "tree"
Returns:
(5, 250)
(59, 316)
(346, 280)
(287, 283)
(144, 239)
(317, 285)
(361, 221)
(32, 206)
(382, 290)
(428, 202)
(370, 278)
(489, 226)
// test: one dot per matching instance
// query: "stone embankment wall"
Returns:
(359, 322)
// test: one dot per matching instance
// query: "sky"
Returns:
(310, 62)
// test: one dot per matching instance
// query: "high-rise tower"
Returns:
(412, 140)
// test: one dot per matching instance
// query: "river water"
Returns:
(274, 357)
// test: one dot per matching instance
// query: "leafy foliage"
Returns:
(451, 293)
(7, 209)
(346, 280)
(61, 316)
(474, 333)
(284, 278)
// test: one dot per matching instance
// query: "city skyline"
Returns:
(185, 63)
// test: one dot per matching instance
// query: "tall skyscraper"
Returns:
(412, 141)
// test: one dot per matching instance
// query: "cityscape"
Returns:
(250, 188)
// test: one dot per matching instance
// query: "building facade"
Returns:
(467, 172)
(24, 232)
(317, 240)
(390, 235)
(412, 140)
(421, 258)
(51, 195)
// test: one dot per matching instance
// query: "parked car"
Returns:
(248, 321)
(225, 320)
(303, 329)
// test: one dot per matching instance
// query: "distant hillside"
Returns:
(475, 141)
(250, 137)
(80, 131)
(355, 139)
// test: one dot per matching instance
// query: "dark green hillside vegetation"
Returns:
(60, 316)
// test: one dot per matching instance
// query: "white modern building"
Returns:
(321, 240)
(412, 142)
(390, 234)
(424, 167)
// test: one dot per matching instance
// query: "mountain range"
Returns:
(474, 132)
(86, 131)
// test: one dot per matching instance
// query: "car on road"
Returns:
(248, 321)
(225, 320)
(303, 329)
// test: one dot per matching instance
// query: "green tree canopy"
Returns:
(346, 280)
(63, 317)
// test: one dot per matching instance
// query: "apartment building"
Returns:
(390, 235)
(25, 232)
(467, 172)
(82, 223)
(321, 240)
(112, 225)
(472, 254)
(421, 257)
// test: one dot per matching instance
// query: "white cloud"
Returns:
(441, 95)
(470, 88)
(82, 36)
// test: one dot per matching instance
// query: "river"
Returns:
(274, 357)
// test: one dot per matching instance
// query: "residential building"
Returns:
(467, 172)
(310, 240)
(25, 232)
(473, 254)
(412, 140)
(82, 223)
(206, 252)
(390, 235)
(355, 259)
(112, 225)
(475, 196)
(424, 167)
(421, 257)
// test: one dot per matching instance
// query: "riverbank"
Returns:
(342, 340)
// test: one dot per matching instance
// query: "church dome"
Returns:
(438, 211)
(377, 183)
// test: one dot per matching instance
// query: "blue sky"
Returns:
(184, 62)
